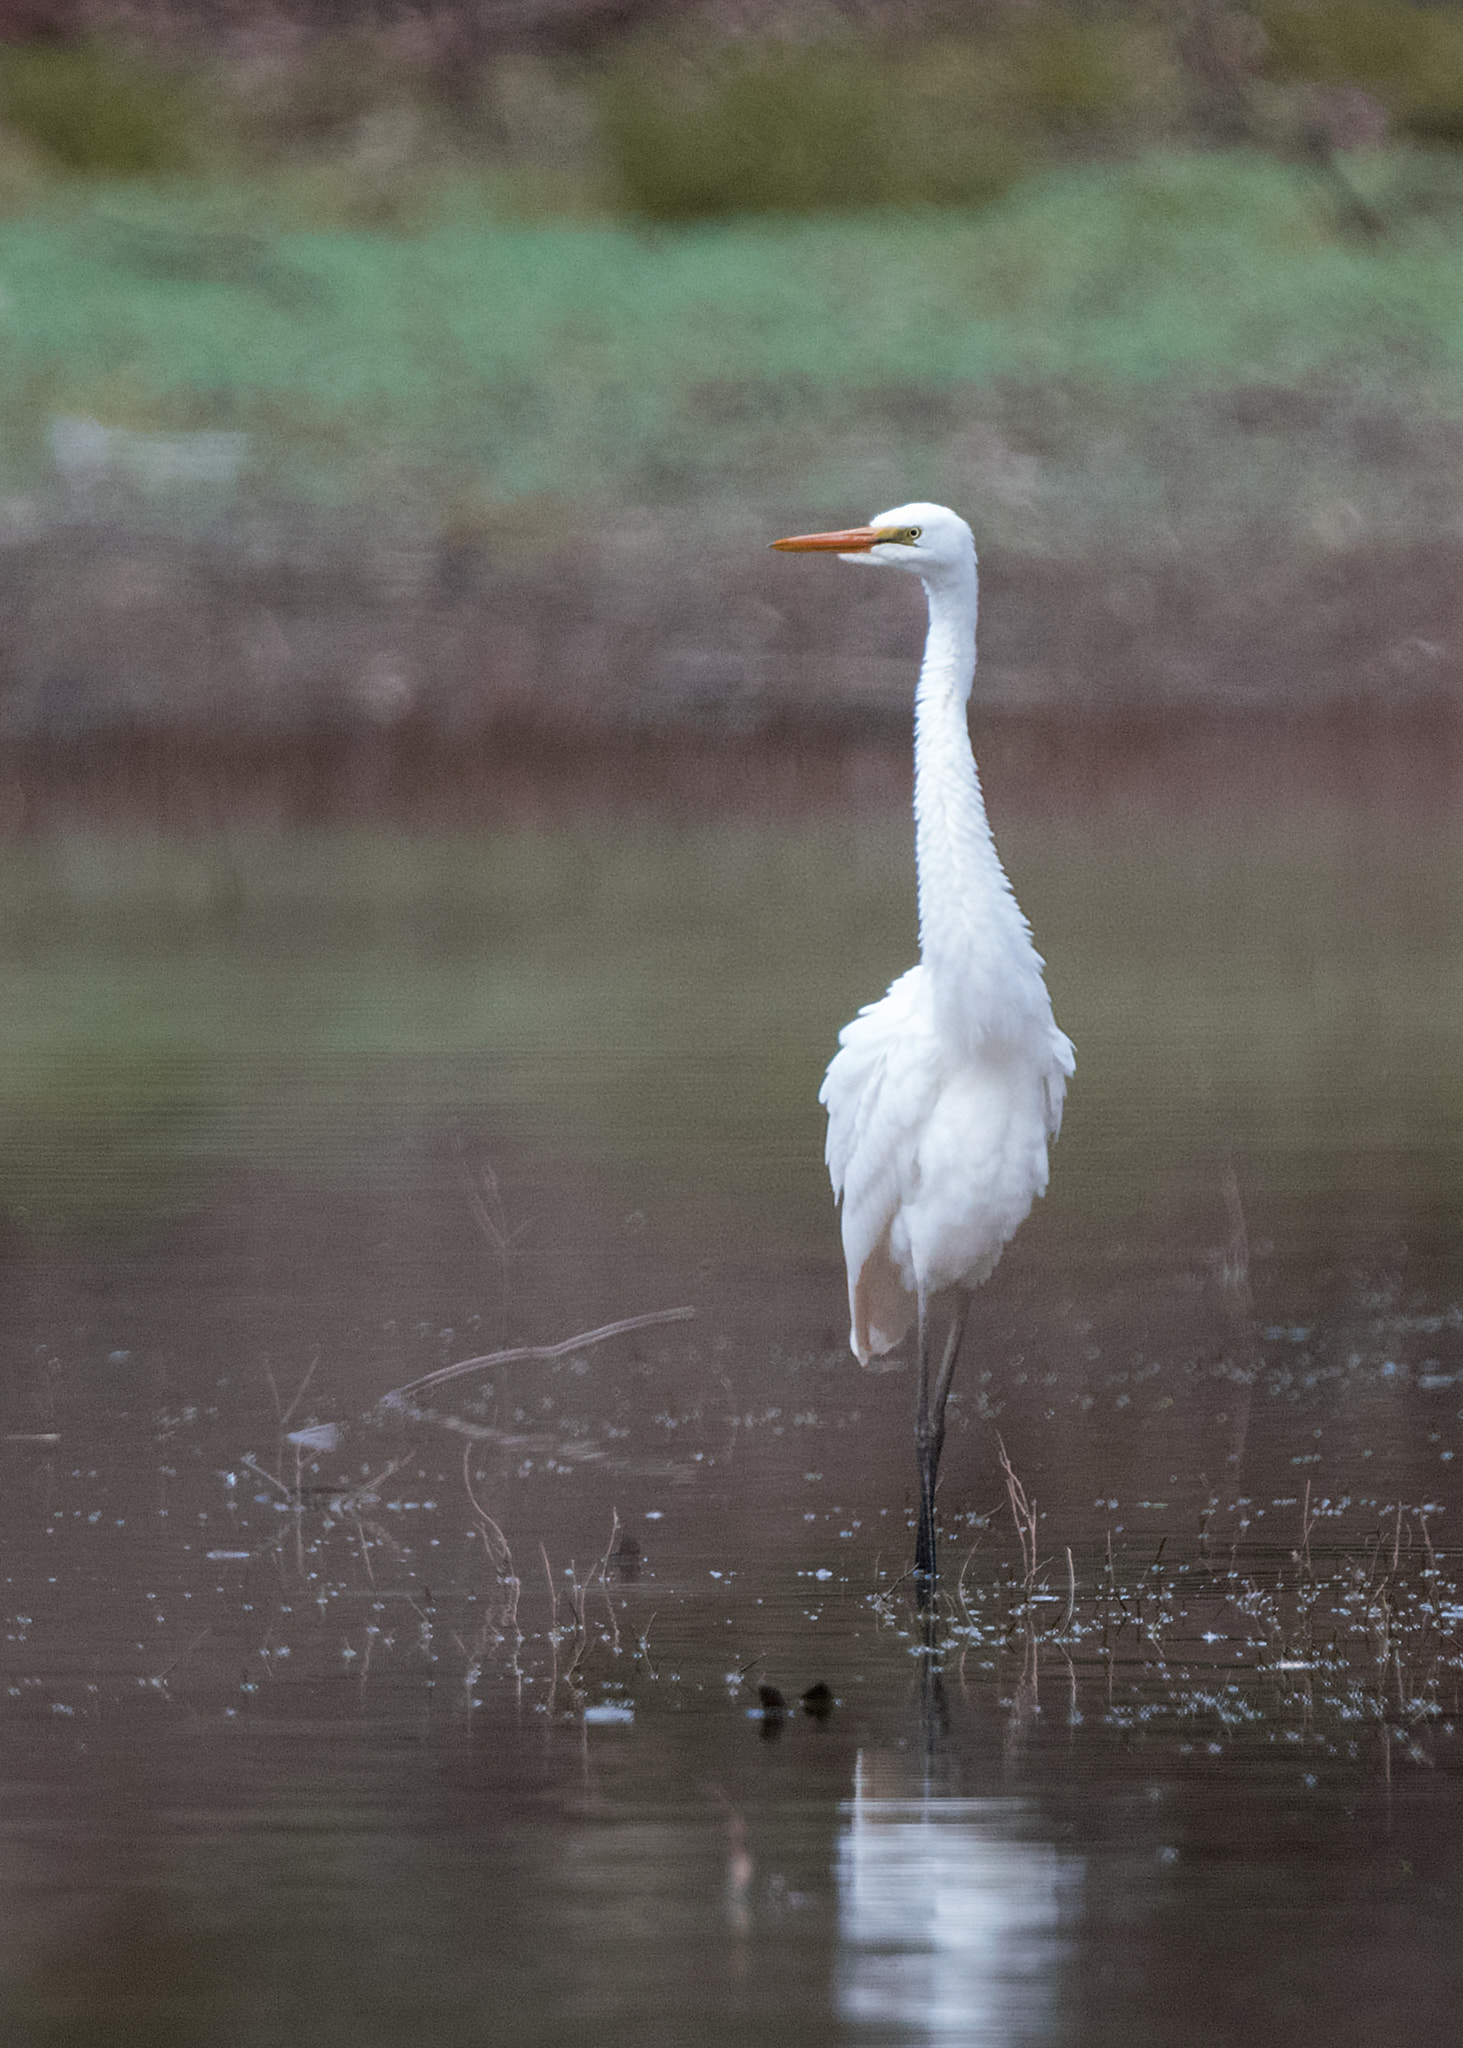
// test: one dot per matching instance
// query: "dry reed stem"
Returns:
(1433, 1576)
(553, 1595)
(581, 1627)
(500, 1556)
(553, 1625)
(960, 1585)
(283, 1414)
(485, 1200)
(365, 1550)
(494, 1541)
(1023, 1514)
(1071, 1594)
(604, 1580)
(347, 1505)
(1235, 1272)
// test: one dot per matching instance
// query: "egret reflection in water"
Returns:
(951, 1923)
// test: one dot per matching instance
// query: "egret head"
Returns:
(930, 540)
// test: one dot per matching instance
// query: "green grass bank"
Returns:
(1055, 362)
(265, 473)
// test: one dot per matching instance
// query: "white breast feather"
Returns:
(936, 1156)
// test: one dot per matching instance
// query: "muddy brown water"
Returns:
(443, 1724)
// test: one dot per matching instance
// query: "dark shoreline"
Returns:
(1211, 767)
(146, 679)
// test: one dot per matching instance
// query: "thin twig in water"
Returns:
(348, 1501)
(254, 1466)
(355, 1516)
(885, 1598)
(284, 1414)
(553, 1595)
(523, 1353)
(161, 1677)
(1071, 1593)
(960, 1585)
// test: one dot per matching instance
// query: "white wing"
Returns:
(879, 1092)
(1054, 1081)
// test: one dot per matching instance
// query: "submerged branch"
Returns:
(523, 1353)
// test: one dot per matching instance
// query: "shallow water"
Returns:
(444, 1724)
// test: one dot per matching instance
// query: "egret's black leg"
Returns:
(927, 1458)
(929, 1434)
(934, 1713)
(947, 1364)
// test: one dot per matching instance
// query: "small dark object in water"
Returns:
(627, 1558)
(818, 1701)
(774, 1711)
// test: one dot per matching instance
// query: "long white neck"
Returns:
(974, 942)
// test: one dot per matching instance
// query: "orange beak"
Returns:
(856, 541)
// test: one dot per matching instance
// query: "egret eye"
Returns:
(915, 532)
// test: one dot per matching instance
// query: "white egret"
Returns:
(944, 1094)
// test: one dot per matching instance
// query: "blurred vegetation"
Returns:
(1409, 55)
(697, 127)
(678, 113)
(100, 110)
(404, 257)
